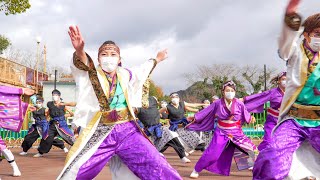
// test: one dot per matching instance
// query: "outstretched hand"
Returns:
(253, 120)
(28, 91)
(190, 118)
(292, 6)
(162, 55)
(32, 108)
(76, 38)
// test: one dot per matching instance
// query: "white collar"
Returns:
(228, 105)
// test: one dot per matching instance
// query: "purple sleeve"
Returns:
(255, 103)
(204, 120)
(11, 90)
(246, 116)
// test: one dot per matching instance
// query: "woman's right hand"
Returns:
(76, 39)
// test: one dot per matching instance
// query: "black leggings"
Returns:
(29, 139)
(201, 147)
(45, 145)
(176, 145)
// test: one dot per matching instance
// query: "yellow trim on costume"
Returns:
(105, 85)
(118, 122)
(125, 92)
(306, 107)
(303, 80)
(104, 81)
(305, 119)
(83, 136)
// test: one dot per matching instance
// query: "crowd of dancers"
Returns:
(117, 122)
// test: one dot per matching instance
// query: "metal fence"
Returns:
(255, 131)
(14, 139)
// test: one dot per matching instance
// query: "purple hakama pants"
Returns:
(270, 123)
(217, 158)
(274, 162)
(141, 157)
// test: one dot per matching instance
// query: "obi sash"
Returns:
(61, 120)
(174, 124)
(43, 125)
(61, 123)
(154, 130)
(303, 112)
(116, 116)
(273, 112)
(229, 124)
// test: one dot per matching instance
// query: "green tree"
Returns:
(218, 81)
(241, 90)
(254, 75)
(165, 98)
(4, 43)
(14, 6)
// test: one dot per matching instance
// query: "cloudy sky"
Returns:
(196, 32)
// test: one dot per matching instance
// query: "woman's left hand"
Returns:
(162, 55)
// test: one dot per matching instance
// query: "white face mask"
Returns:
(230, 95)
(55, 98)
(109, 64)
(315, 44)
(163, 105)
(39, 106)
(175, 100)
(283, 83)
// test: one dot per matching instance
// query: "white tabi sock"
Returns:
(10, 158)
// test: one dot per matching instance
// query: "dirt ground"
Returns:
(49, 167)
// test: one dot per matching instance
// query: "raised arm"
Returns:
(47, 113)
(11, 90)
(71, 104)
(139, 75)
(78, 43)
(162, 110)
(70, 113)
(190, 109)
(290, 32)
(255, 102)
(193, 105)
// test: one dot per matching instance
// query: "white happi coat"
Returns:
(306, 160)
(87, 112)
